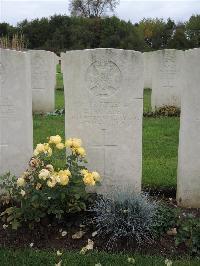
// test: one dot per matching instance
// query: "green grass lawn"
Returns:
(160, 143)
(59, 78)
(147, 100)
(59, 99)
(43, 258)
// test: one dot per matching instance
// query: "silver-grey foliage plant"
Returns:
(124, 215)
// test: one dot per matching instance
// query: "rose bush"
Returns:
(43, 190)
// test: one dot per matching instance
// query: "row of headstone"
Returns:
(43, 80)
(104, 106)
(163, 74)
(188, 182)
(16, 128)
(27, 84)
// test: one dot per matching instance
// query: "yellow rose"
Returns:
(50, 167)
(21, 182)
(64, 180)
(60, 146)
(64, 173)
(55, 139)
(67, 172)
(64, 176)
(76, 143)
(84, 171)
(51, 184)
(44, 174)
(55, 177)
(40, 148)
(49, 151)
(69, 143)
(36, 152)
(89, 180)
(46, 147)
(96, 176)
(81, 151)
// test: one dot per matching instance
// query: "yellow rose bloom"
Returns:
(73, 143)
(96, 176)
(69, 143)
(49, 151)
(40, 147)
(20, 182)
(89, 180)
(50, 167)
(64, 176)
(64, 173)
(81, 151)
(64, 180)
(55, 177)
(76, 143)
(55, 139)
(60, 146)
(44, 174)
(68, 173)
(36, 152)
(46, 147)
(51, 183)
(84, 172)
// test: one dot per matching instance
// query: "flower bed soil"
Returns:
(48, 235)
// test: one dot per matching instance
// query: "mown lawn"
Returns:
(147, 100)
(43, 258)
(160, 143)
(59, 77)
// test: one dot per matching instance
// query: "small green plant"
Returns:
(45, 191)
(188, 233)
(124, 215)
(165, 218)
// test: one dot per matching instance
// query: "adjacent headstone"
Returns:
(103, 107)
(16, 129)
(167, 79)
(56, 62)
(43, 80)
(148, 68)
(188, 183)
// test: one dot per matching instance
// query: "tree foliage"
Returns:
(193, 30)
(92, 8)
(60, 33)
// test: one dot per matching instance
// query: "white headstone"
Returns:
(104, 106)
(188, 187)
(16, 129)
(167, 79)
(43, 80)
(148, 68)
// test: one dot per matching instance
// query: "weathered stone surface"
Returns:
(104, 106)
(167, 78)
(188, 183)
(43, 80)
(148, 69)
(56, 62)
(16, 129)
